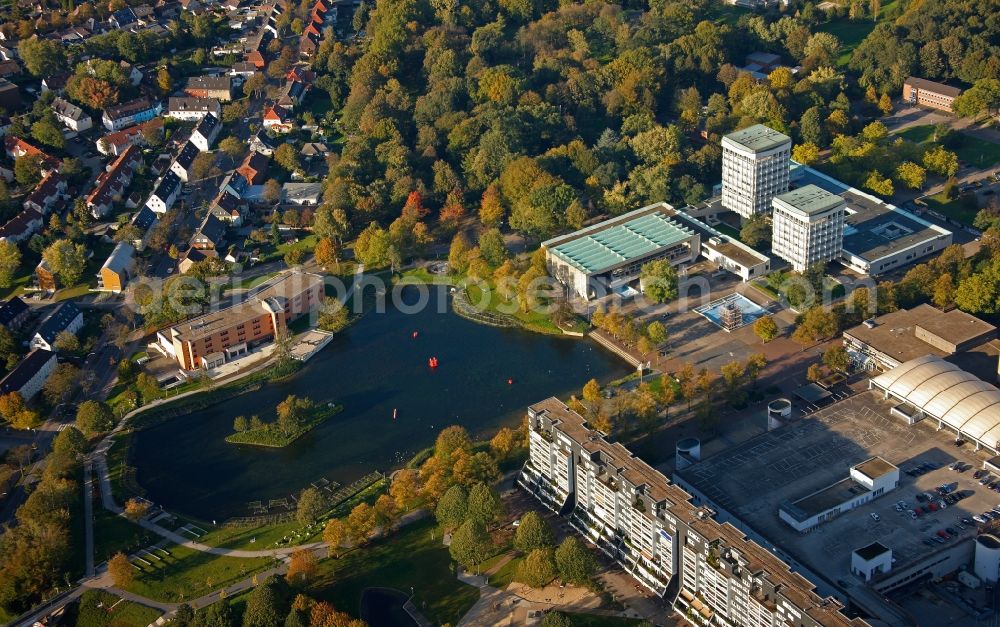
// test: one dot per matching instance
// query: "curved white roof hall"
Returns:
(946, 392)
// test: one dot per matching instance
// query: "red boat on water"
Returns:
(433, 362)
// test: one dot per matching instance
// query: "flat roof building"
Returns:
(609, 255)
(755, 164)
(807, 226)
(237, 329)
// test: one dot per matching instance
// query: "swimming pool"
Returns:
(750, 310)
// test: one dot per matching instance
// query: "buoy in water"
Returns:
(394, 410)
(414, 335)
(510, 381)
(433, 362)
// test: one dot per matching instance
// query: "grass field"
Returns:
(973, 151)
(113, 533)
(954, 208)
(98, 608)
(414, 556)
(852, 33)
(187, 574)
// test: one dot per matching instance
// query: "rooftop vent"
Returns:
(870, 323)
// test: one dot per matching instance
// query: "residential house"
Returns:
(263, 144)
(118, 269)
(49, 190)
(235, 184)
(9, 68)
(184, 160)
(112, 183)
(292, 94)
(192, 108)
(304, 194)
(278, 120)
(211, 234)
(229, 208)
(116, 143)
(195, 255)
(243, 70)
(254, 167)
(312, 150)
(15, 148)
(10, 95)
(194, 6)
(14, 313)
(55, 83)
(30, 375)
(165, 193)
(71, 116)
(145, 221)
(122, 18)
(132, 112)
(65, 317)
(309, 42)
(22, 226)
(204, 134)
(220, 87)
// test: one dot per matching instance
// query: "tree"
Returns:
(836, 358)
(218, 614)
(941, 161)
(42, 57)
(556, 619)
(981, 98)
(148, 387)
(10, 261)
(69, 443)
(201, 167)
(659, 281)
(233, 148)
(766, 328)
(492, 247)
(911, 174)
(884, 102)
(334, 534)
(404, 489)
(756, 231)
(28, 170)
(458, 252)
(310, 507)
(61, 383)
(484, 504)
(66, 259)
(814, 372)
(94, 417)
(46, 132)
(491, 210)
(574, 562)
(240, 424)
(656, 331)
(255, 85)
(327, 253)
(271, 192)
(823, 48)
(360, 523)
(265, 606)
(592, 392)
(817, 324)
(470, 544)
(66, 342)
(532, 533)
(504, 443)
(453, 507)
(333, 316)
(302, 567)
(164, 80)
(287, 157)
(537, 569)
(451, 439)
(135, 509)
(121, 570)
(879, 184)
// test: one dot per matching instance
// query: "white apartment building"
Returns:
(808, 226)
(755, 166)
(650, 526)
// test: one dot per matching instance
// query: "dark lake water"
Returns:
(372, 368)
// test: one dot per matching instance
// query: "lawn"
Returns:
(976, 152)
(98, 608)
(505, 574)
(271, 436)
(852, 33)
(187, 574)
(532, 320)
(955, 208)
(413, 557)
(305, 244)
(113, 534)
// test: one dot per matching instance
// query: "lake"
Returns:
(373, 368)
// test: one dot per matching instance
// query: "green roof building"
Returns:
(609, 255)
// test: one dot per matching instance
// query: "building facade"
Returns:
(217, 337)
(807, 226)
(755, 166)
(165, 193)
(925, 93)
(650, 526)
(118, 269)
(190, 108)
(30, 375)
(129, 113)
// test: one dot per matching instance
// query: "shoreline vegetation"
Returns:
(295, 417)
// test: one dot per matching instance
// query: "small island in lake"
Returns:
(295, 417)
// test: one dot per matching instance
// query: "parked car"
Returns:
(875, 517)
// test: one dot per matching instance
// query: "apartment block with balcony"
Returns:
(808, 226)
(755, 168)
(714, 574)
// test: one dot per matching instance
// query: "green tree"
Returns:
(470, 544)
(28, 170)
(453, 507)
(42, 57)
(537, 569)
(240, 424)
(450, 440)
(981, 98)
(659, 281)
(334, 316)
(756, 231)
(46, 132)
(287, 157)
(484, 504)
(66, 259)
(532, 533)
(492, 248)
(266, 605)
(879, 184)
(574, 562)
(911, 174)
(69, 443)
(556, 619)
(94, 417)
(656, 331)
(941, 161)
(836, 358)
(10, 261)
